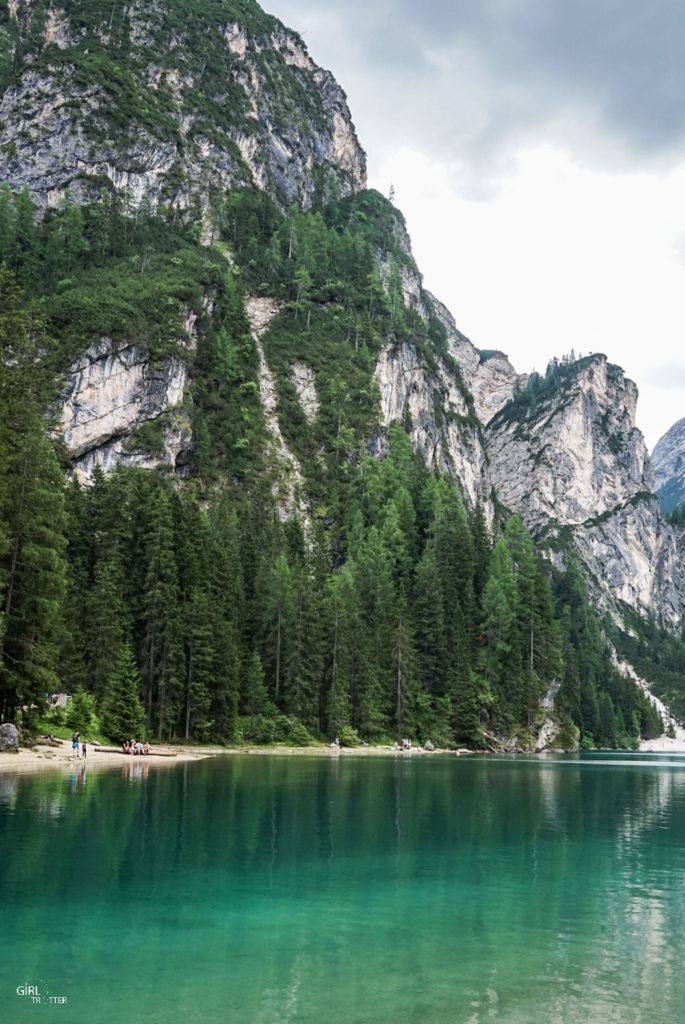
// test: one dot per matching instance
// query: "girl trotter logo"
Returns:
(38, 993)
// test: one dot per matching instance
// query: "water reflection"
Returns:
(350, 890)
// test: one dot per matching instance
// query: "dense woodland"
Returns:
(185, 605)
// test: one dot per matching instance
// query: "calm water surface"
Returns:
(261, 890)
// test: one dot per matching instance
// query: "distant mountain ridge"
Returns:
(668, 459)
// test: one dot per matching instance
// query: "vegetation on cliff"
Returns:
(397, 613)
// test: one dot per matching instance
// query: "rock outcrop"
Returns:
(9, 738)
(570, 459)
(443, 428)
(489, 376)
(668, 460)
(288, 488)
(85, 108)
(119, 407)
(577, 454)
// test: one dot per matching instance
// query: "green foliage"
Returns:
(80, 714)
(123, 717)
(556, 384)
(194, 610)
(658, 655)
(32, 567)
(671, 501)
(349, 737)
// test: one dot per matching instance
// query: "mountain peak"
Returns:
(171, 103)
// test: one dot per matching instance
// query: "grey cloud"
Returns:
(473, 78)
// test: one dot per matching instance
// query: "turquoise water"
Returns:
(256, 890)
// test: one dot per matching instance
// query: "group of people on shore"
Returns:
(135, 747)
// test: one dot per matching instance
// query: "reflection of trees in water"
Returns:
(446, 873)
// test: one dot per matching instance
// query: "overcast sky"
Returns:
(537, 151)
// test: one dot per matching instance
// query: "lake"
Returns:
(257, 890)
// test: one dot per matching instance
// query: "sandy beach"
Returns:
(46, 756)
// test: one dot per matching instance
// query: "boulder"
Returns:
(428, 745)
(9, 738)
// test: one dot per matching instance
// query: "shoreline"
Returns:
(45, 756)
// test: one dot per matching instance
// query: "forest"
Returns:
(186, 605)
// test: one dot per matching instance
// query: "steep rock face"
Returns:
(228, 104)
(442, 428)
(668, 460)
(445, 428)
(112, 396)
(635, 556)
(288, 489)
(573, 458)
(578, 454)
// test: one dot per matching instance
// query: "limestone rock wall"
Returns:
(110, 393)
(578, 456)
(59, 131)
(578, 460)
(442, 429)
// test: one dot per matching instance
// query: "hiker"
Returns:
(84, 749)
(74, 743)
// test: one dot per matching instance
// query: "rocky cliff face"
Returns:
(443, 429)
(668, 459)
(168, 104)
(437, 396)
(577, 454)
(118, 407)
(173, 103)
(572, 461)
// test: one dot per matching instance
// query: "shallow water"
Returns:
(346, 891)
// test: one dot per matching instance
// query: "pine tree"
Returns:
(499, 600)
(278, 625)
(81, 712)
(123, 715)
(432, 653)
(163, 670)
(32, 568)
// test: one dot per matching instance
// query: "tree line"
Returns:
(192, 609)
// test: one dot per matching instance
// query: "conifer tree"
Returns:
(162, 662)
(122, 714)
(32, 568)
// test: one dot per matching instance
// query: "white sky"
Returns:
(539, 229)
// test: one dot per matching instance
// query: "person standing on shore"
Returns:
(84, 749)
(74, 743)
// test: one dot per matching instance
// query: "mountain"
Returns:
(668, 459)
(171, 104)
(566, 455)
(280, 492)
